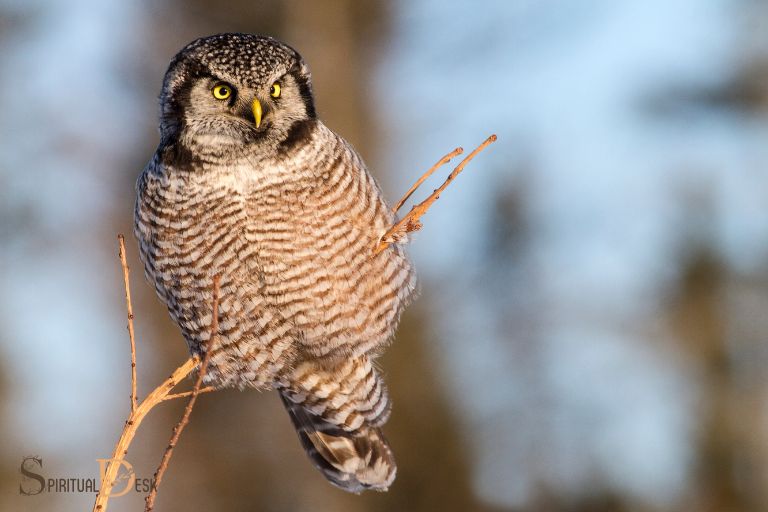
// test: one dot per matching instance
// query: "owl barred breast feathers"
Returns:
(248, 185)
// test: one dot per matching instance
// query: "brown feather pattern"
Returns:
(305, 305)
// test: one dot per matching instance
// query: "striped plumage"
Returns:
(287, 215)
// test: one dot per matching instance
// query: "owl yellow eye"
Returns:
(222, 91)
(274, 91)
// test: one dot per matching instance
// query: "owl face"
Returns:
(234, 90)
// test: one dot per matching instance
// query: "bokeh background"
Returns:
(591, 334)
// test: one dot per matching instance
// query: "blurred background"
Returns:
(591, 334)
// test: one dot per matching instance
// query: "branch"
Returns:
(160, 394)
(132, 425)
(207, 389)
(129, 308)
(188, 409)
(411, 221)
(440, 163)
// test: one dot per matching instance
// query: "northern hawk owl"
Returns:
(249, 185)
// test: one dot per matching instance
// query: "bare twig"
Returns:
(207, 389)
(129, 308)
(150, 500)
(158, 395)
(132, 425)
(440, 163)
(411, 222)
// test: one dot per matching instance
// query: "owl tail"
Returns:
(354, 461)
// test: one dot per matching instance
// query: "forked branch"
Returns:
(447, 158)
(411, 222)
(160, 394)
(132, 425)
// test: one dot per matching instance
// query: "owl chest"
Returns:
(187, 235)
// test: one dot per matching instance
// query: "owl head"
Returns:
(233, 90)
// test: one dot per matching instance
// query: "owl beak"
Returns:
(256, 106)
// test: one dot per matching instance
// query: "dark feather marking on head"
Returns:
(299, 132)
(178, 155)
(306, 93)
(301, 74)
(173, 100)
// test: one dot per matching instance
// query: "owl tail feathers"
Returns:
(353, 461)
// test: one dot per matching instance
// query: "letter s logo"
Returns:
(27, 465)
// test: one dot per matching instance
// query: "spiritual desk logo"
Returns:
(33, 482)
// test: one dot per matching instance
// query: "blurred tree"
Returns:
(698, 319)
(10, 477)
(435, 469)
(17, 218)
(712, 310)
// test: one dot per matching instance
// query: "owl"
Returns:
(249, 186)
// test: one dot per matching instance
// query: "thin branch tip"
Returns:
(411, 221)
(447, 158)
(129, 314)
